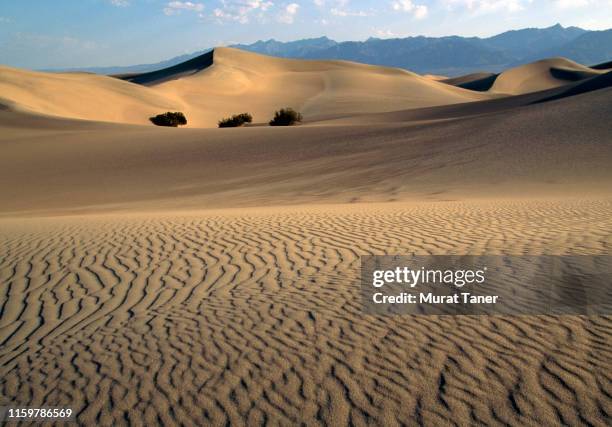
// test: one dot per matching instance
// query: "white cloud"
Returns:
(288, 14)
(241, 10)
(486, 6)
(419, 11)
(319, 3)
(343, 12)
(175, 7)
(403, 5)
(340, 8)
(120, 3)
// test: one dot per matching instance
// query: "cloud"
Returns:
(419, 11)
(340, 8)
(343, 12)
(120, 3)
(241, 10)
(175, 7)
(487, 6)
(288, 14)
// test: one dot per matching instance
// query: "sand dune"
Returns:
(227, 81)
(224, 82)
(242, 81)
(541, 75)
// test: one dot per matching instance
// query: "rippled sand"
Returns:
(253, 316)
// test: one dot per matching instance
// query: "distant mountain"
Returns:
(449, 56)
(299, 48)
(590, 48)
(420, 54)
(140, 68)
(530, 41)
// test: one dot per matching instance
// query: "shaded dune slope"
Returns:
(476, 81)
(603, 66)
(599, 82)
(175, 72)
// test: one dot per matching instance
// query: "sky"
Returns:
(43, 34)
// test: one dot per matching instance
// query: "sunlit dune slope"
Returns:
(224, 82)
(541, 75)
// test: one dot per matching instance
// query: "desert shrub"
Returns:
(236, 120)
(286, 117)
(169, 119)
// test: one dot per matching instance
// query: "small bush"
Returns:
(169, 119)
(236, 120)
(286, 117)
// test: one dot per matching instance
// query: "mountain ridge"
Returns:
(448, 55)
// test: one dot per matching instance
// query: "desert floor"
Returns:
(211, 276)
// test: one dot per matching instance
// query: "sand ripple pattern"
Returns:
(253, 317)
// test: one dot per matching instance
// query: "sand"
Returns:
(557, 148)
(252, 316)
(210, 276)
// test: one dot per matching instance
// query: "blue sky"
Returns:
(61, 33)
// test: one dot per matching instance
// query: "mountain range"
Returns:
(449, 56)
